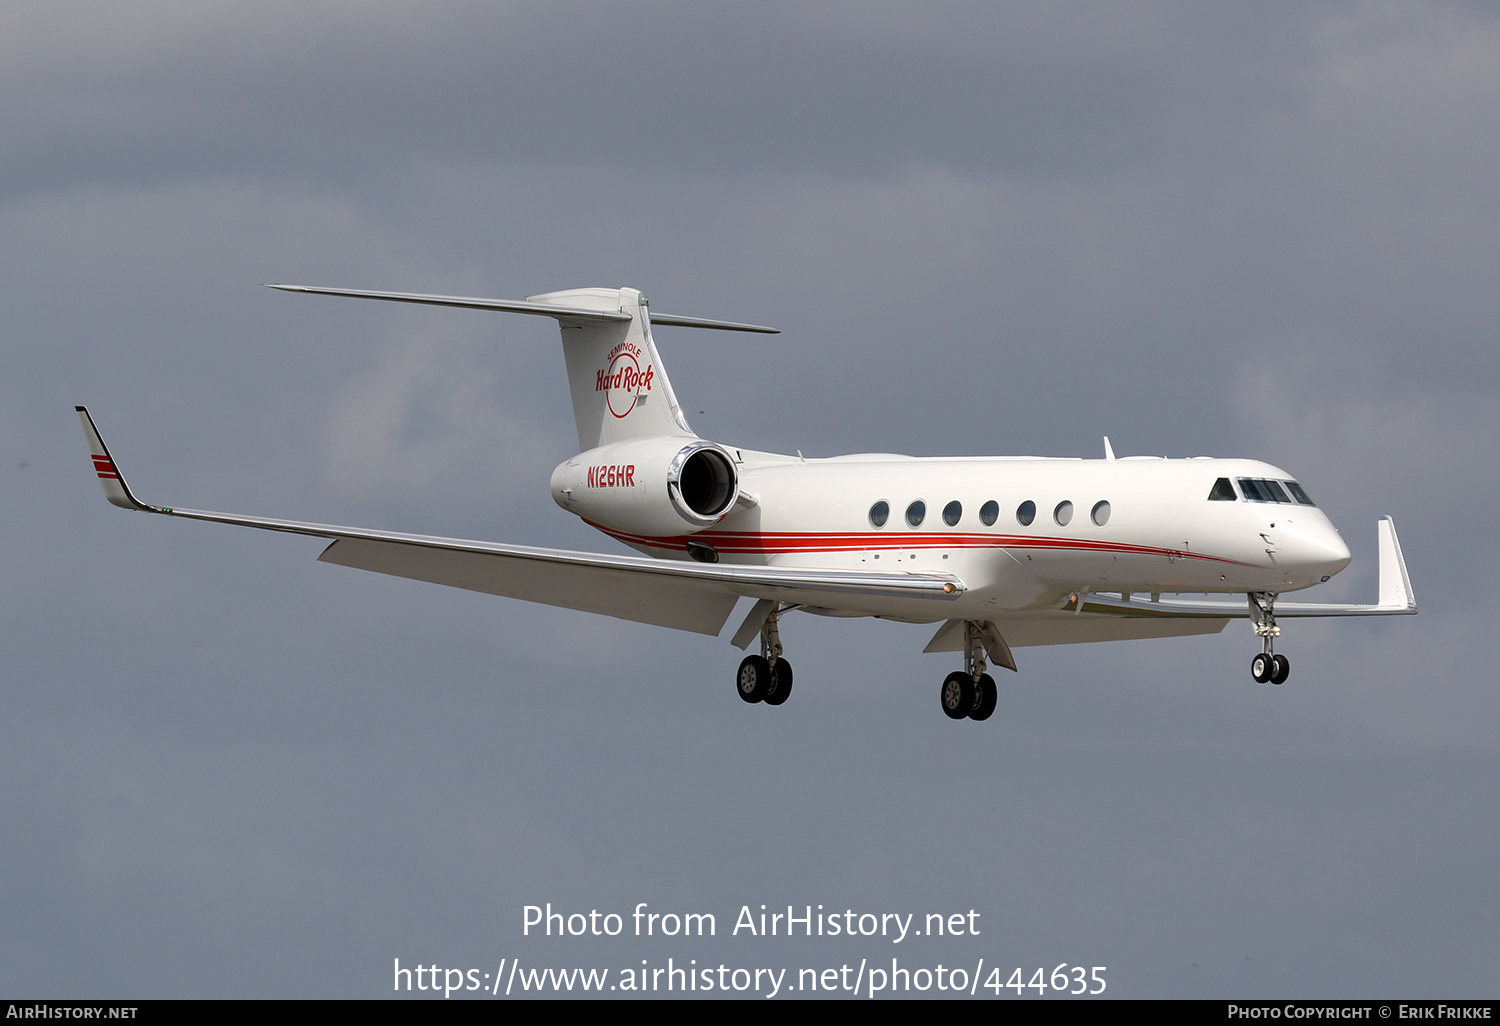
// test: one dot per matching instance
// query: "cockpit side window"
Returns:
(1299, 493)
(1223, 491)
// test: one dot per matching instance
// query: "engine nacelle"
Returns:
(650, 486)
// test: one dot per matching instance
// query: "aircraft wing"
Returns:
(670, 593)
(1062, 627)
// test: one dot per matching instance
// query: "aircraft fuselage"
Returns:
(1055, 526)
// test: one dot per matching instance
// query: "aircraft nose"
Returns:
(1317, 550)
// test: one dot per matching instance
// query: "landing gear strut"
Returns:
(970, 693)
(1267, 666)
(766, 677)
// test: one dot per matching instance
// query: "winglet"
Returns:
(115, 488)
(1395, 583)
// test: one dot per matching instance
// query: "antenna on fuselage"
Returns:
(1109, 452)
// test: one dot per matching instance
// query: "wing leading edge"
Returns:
(669, 593)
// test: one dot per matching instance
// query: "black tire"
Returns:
(1261, 668)
(1281, 669)
(753, 679)
(780, 688)
(957, 695)
(986, 697)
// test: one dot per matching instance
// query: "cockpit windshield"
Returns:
(1260, 489)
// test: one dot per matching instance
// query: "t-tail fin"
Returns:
(619, 387)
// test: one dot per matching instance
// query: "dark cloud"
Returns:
(337, 94)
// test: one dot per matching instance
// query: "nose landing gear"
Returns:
(970, 693)
(1267, 666)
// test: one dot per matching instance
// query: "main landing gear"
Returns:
(970, 693)
(766, 677)
(1267, 666)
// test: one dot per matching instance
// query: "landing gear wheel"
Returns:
(957, 695)
(781, 683)
(1281, 668)
(1261, 668)
(986, 695)
(753, 679)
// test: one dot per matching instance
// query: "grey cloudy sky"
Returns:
(1268, 230)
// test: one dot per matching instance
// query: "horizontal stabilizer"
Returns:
(526, 307)
(704, 322)
(468, 303)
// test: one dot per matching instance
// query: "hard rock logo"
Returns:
(623, 382)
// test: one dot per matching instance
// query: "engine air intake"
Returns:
(703, 483)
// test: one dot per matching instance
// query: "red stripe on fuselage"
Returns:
(779, 542)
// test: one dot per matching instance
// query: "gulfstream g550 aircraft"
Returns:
(1000, 552)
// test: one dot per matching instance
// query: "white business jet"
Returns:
(1001, 552)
